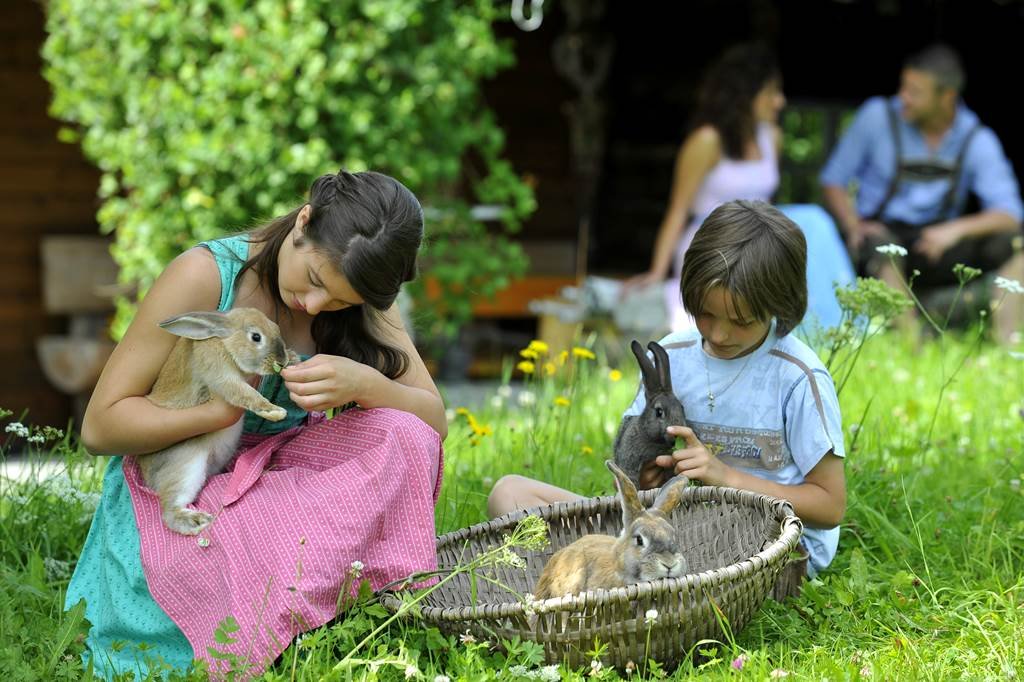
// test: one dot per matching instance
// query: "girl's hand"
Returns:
(654, 475)
(325, 381)
(694, 461)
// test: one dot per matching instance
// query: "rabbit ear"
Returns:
(631, 506)
(199, 325)
(671, 493)
(662, 364)
(652, 383)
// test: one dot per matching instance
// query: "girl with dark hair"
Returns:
(309, 500)
(730, 153)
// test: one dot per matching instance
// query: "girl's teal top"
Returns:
(130, 632)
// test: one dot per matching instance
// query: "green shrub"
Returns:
(208, 116)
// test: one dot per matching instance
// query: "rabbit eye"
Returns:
(658, 412)
(639, 540)
(256, 337)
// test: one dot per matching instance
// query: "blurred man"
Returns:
(915, 158)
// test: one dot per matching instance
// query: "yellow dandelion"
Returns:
(563, 356)
(583, 353)
(587, 450)
(549, 368)
(482, 430)
(562, 401)
(615, 375)
(462, 411)
(526, 367)
(529, 354)
(538, 346)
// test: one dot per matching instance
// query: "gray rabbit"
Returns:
(642, 438)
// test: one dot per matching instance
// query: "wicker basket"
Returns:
(737, 543)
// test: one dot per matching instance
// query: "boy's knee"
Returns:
(504, 493)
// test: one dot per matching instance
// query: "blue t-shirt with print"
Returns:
(776, 413)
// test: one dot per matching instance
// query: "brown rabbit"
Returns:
(647, 548)
(216, 355)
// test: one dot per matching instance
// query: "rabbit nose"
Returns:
(672, 567)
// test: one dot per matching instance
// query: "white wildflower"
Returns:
(778, 673)
(1015, 483)
(497, 401)
(56, 569)
(442, 678)
(519, 671)
(865, 671)
(18, 429)
(36, 438)
(630, 667)
(1016, 355)
(449, 415)
(891, 250)
(596, 666)
(411, 671)
(62, 486)
(1010, 285)
(549, 673)
(505, 391)
(510, 558)
(651, 616)
(357, 567)
(526, 398)
(467, 638)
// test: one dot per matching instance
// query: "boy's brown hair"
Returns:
(755, 252)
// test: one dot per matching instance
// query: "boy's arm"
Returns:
(820, 501)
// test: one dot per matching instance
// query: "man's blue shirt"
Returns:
(866, 154)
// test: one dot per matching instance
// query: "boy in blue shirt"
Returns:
(762, 410)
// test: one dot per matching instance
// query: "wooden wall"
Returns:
(46, 187)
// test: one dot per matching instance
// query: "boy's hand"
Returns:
(694, 461)
(654, 475)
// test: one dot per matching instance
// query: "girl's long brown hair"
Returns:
(369, 226)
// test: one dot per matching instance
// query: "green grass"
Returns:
(928, 582)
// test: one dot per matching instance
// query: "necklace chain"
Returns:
(707, 374)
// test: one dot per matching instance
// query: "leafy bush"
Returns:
(206, 116)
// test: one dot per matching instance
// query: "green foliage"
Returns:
(207, 116)
(808, 133)
(927, 583)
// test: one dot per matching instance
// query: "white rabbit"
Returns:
(647, 548)
(216, 355)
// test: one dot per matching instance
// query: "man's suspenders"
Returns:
(897, 176)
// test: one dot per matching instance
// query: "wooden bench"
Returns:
(75, 270)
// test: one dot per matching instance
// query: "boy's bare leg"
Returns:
(519, 492)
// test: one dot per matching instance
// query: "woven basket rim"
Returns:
(790, 530)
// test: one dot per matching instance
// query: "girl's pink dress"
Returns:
(294, 513)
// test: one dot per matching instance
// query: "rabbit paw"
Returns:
(274, 414)
(187, 521)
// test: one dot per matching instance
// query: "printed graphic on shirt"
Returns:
(746, 448)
